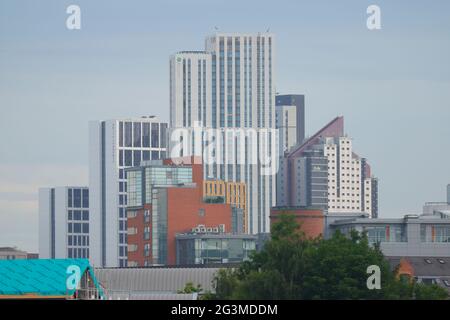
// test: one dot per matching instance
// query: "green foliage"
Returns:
(190, 288)
(429, 292)
(290, 266)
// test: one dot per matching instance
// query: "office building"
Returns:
(203, 247)
(166, 199)
(325, 172)
(116, 145)
(410, 236)
(290, 120)
(230, 85)
(64, 222)
(431, 208)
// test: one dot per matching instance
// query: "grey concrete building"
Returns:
(412, 235)
(297, 101)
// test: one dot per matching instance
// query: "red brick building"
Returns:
(312, 221)
(176, 206)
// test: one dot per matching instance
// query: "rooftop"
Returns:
(39, 277)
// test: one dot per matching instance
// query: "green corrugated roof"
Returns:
(45, 277)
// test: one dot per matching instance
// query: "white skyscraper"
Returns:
(113, 146)
(230, 87)
(349, 187)
(64, 222)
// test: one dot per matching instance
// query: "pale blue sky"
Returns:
(392, 85)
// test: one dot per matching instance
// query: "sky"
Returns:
(391, 85)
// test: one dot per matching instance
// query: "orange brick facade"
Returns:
(311, 221)
(185, 210)
(405, 269)
(235, 193)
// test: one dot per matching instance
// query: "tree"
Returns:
(429, 292)
(290, 266)
(190, 288)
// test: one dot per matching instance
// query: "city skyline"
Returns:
(66, 79)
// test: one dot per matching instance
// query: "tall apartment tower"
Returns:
(290, 119)
(324, 172)
(230, 86)
(190, 89)
(63, 222)
(113, 146)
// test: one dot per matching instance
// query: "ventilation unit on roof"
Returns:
(428, 261)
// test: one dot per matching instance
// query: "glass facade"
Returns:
(380, 233)
(137, 141)
(203, 250)
(434, 233)
(78, 223)
(140, 187)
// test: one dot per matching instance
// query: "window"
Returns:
(146, 250)
(128, 158)
(146, 135)
(137, 134)
(77, 227)
(69, 198)
(77, 198)
(147, 216)
(155, 135)
(77, 215)
(128, 134)
(147, 233)
(85, 198)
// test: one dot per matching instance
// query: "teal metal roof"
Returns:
(45, 277)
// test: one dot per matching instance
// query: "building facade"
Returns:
(311, 220)
(325, 172)
(290, 120)
(64, 223)
(236, 92)
(166, 199)
(431, 208)
(234, 193)
(8, 253)
(116, 145)
(413, 235)
(203, 247)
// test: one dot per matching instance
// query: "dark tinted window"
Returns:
(77, 198)
(85, 198)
